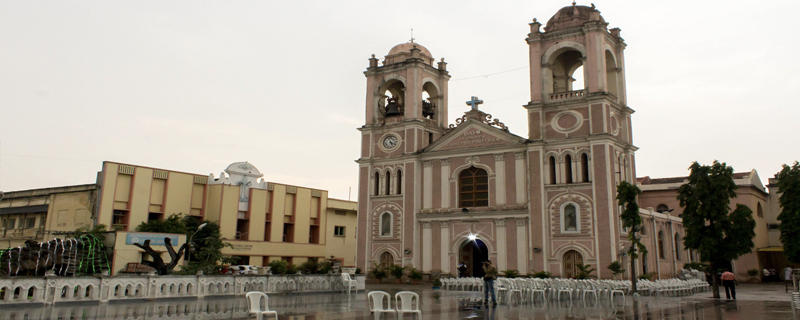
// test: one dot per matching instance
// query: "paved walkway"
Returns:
(755, 301)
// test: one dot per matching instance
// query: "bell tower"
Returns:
(581, 136)
(406, 110)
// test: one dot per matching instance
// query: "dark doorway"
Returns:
(473, 253)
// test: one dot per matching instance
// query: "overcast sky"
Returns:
(196, 85)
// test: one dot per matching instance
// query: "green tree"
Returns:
(718, 234)
(626, 197)
(789, 188)
(206, 247)
(616, 268)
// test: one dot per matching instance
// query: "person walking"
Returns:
(728, 280)
(488, 282)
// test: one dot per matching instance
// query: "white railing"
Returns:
(32, 290)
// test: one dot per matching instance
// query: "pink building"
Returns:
(433, 195)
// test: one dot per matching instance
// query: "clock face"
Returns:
(390, 142)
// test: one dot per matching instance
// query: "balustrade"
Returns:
(48, 290)
(567, 95)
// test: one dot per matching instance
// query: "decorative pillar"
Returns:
(445, 185)
(500, 226)
(427, 244)
(522, 245)
(445, 251)
(427, 185)
(500, 179)
(521, 177)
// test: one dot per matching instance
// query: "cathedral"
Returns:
(434, 195)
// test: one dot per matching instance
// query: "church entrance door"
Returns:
(473, 253)
(387, 260)
(572, 259)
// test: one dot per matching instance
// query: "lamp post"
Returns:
(189, 257)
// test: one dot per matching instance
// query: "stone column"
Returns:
(445, 186)
(500, 226)
(445, 251)
(427, 244)
(522, 246)
(521, 178)
(500, 179)
(427, 185)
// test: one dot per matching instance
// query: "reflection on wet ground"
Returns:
(434, 303)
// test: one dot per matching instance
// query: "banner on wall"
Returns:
(156, 239)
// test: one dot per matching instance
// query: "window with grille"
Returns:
(473, 184)
(30, 223)
(338, 231)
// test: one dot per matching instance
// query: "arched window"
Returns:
(377, 183)
(662, 208)
(552, 170)
(399, 182)
(584, 167)
(759, 211)
(388, 183)
(569, 218)
(386, 224)
(568, 168)
(677, 246)
(661, 245)
(566, 68)
(611, 74)
(473, 186)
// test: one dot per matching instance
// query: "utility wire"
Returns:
(490, 74)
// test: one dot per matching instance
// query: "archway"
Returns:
(473, 253)
(572, 259)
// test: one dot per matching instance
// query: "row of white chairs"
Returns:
(525, 289)
(404, 302)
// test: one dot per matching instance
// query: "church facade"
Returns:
(433, 195)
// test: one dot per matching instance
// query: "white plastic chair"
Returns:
(795, 303)
(404, 302)
(348, 282)
(376, 303)
(254, 302)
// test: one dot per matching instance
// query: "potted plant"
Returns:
(511, 274)
(437, 283)
(584, 271)
(616, 268)
(415, 275)
(397, 272)
(378, 272)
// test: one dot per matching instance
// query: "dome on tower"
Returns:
(402, 52)
(573, 16)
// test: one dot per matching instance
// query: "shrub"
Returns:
(278, 266)
(415, 274)
(752, 272)
(397, 271)
(378, 271)
(437, 282)
(542, 275)
(291, 269)
(616, 268)
(511, 273)
(648, 276)
(584, 271)
(695, 266)
(359, 271)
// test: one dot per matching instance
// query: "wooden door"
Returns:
(571, 261)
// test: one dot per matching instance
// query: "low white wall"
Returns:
(27, 290)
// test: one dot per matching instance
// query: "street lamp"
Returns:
(189, 257)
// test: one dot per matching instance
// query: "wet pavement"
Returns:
(755, 301)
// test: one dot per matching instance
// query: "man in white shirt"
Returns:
(787, 274)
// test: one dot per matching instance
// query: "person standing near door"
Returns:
(729, 281)
(462, 269)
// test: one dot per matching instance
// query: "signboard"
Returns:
(156, 239)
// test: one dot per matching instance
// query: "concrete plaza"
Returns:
(755, 301)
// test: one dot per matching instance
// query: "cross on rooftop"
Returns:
(474, 102)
